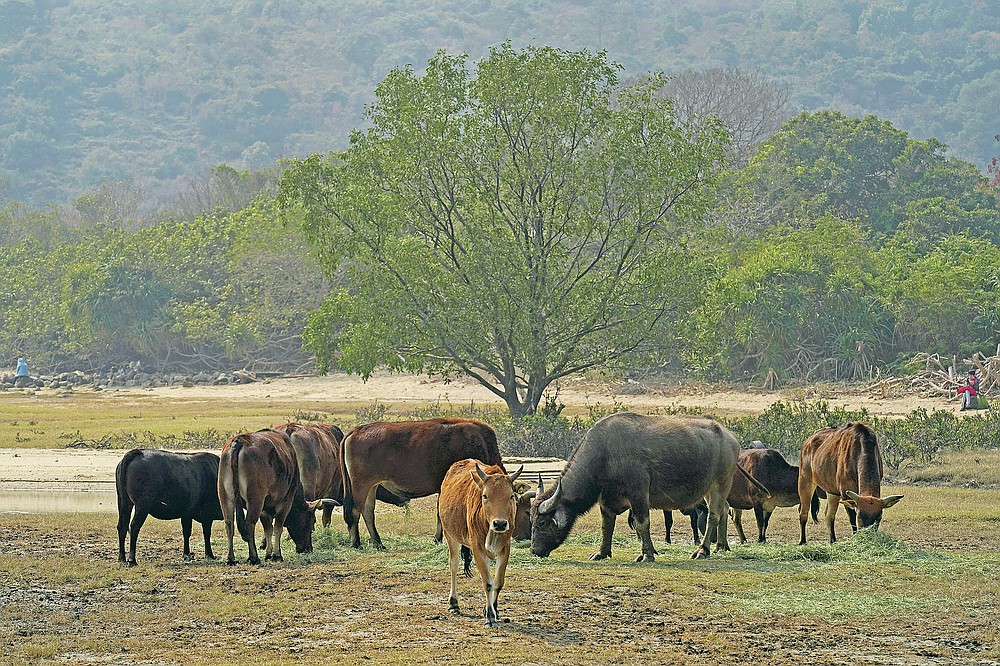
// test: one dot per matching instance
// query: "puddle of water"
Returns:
(61, 501)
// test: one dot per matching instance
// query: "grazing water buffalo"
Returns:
(168, 486)
(258, 474)
(846, 463)
(781, 479)
(318, 451)
(640, 462)
(478, 507)
(410, 459)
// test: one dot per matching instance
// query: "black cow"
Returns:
(168, 486)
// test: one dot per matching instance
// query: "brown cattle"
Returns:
(258, 474)
(408, 458)
(318, 451)
(781, 480)
(477, 508)
(847, 464)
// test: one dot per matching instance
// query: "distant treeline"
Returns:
(158, 92)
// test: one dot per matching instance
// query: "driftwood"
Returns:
(939, 378)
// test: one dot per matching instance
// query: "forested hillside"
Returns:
(99, 90)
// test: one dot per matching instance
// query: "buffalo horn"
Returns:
(549, 505)
(541, 484)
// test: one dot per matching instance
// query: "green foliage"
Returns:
(516, 226)
(799, 303)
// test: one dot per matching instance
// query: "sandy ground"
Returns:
(93, 470)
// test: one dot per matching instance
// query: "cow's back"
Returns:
(845, 458)
(317, 452)
(683, 457)
(171, 485)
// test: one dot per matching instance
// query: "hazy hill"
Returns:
(100, 89)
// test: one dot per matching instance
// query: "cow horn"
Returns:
(480, 472)
(513, 477)
(851, 495)
(891, 499)
(327, 501)
(549, 505)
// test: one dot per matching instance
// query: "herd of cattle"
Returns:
(281, 477)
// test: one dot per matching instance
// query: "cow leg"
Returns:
(439, 530)
(738, 522)
(133, 535)
(206, 528)
(254, 508)
(697, 523)
(640, 516)
(489, 611)
(454, 558)
(806, 490)
(275, 537)
(268, 541)
(718, 517)
(124, 513)
(369, 515)
(668, 523)
(763, 518)
(353, 519)
(832, 502)
(498, 578)
(186, 525)
(608, 518)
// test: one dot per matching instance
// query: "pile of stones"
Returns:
(125, 379)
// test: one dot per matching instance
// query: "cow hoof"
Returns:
(379, 547)
(277, 558)
(231, 563)
(210, 556)
(129, 564)
(188, 556)
(700, 554)
(644, 558)
(599, 556)
(453, 607)
(254, 560)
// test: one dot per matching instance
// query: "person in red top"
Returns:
(969, 391)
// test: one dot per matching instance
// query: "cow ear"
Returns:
(891, 499)
(520, 487)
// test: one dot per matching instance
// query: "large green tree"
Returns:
(516, 224)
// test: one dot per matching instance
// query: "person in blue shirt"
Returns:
(21, 375)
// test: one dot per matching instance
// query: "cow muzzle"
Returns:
(501, 525)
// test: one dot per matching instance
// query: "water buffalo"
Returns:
(478, 507)
(630, 461)
(168, 486)
(846, 463)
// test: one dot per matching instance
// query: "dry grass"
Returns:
(972, 469)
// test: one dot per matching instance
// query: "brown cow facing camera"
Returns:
(478, 508)
(846, 463)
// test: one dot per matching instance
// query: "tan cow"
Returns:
(258, 474)
(478, 507)
(408, 458)
(847, 464)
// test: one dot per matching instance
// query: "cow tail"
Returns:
(121, 474)
(760, 486)
(240, 504)
(814, 506)
(467, 561)
(348, 492)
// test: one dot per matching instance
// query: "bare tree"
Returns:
(749, 104)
